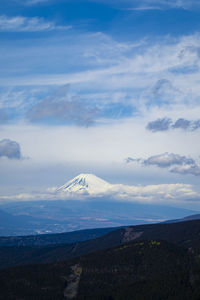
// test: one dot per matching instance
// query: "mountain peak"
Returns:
(85, 183)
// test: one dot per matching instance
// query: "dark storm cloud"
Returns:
(175, 163)
(166, 124)
(196, 125)
(166, 160)
(185, 170)
(10, 149)
(182, 123)
(159, 125)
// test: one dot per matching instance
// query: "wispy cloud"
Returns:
(165, 4)
(139, 72)
(4, 117)
(32, 2)
(143, 8)
(137, 4)
(61, 107)
(35, 2)
(104, 64)
(25, 24)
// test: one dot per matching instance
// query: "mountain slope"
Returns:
(145, 270)
(185, 234)
(187, 218)
(85, 184)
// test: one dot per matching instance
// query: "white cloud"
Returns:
(172, 193)
(27, 24)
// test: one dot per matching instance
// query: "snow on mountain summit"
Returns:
(85, 183)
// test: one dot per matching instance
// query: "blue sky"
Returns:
(107, 87)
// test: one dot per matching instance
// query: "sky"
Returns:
(104, 87)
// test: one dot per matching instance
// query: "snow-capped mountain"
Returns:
(85, 184)
(89, 185)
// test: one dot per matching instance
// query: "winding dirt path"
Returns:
(73, 280)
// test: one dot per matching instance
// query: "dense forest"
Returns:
(129, 263)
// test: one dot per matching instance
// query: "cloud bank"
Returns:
(160, 193)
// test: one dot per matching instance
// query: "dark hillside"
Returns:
(58, 238)
(142, 270)
(137, 270)
(15, 256)
(184, 234)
